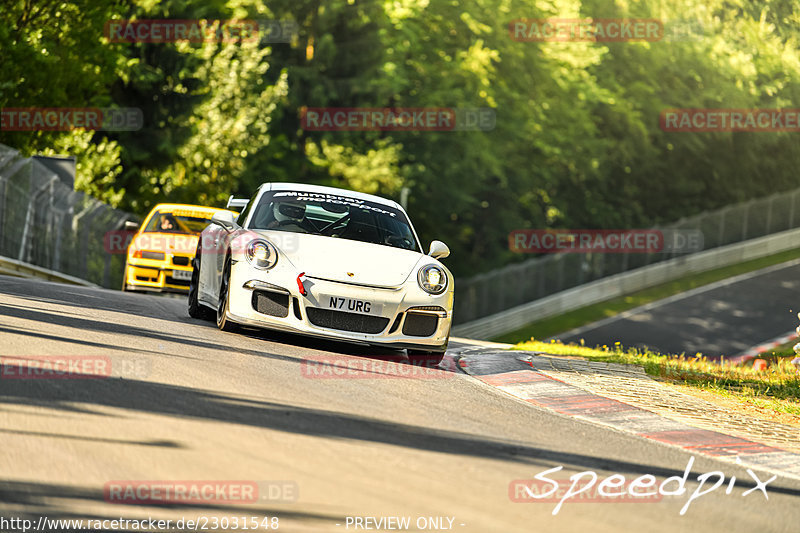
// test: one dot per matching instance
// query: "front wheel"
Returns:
(425, 358)
(223, 323)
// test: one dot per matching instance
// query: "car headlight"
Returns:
(144, 254)
(432, 279)
(261, 254)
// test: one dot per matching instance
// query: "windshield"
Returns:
(335, 216)
(182, 222)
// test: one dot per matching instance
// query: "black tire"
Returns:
(223, 323)
(425, 358)
(196, 309)
(125, 278)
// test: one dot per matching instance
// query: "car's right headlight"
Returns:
(432, 279)
(145, 254)
(261, 254)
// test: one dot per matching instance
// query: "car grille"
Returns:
(420, 325)
(180, 260)
(271, 303)
(328, 318)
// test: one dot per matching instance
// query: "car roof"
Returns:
(177, 207)
(304, 187)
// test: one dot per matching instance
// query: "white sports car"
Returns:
(326, 262)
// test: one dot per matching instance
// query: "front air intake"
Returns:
(328, 318)
(420, 325)
(271, 303)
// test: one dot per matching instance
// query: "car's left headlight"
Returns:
(432, 279)
(261, 254)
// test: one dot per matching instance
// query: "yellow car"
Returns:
(159, 257)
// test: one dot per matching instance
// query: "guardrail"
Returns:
(618, 285)
(12, 267)
(46, 224)
(538, 278)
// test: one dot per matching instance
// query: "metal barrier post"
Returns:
(83, 249)
(29, 219)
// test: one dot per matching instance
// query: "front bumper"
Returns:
(406, 318)
(156, 276)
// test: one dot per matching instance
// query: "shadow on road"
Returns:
(171, 335)
(176, 401)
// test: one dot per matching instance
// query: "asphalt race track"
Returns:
(724, 318)
(186, 403)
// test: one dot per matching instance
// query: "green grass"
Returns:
(549, 327)
(776, 388)
(784, 350)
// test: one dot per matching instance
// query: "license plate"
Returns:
(182, 274)
(351, 305)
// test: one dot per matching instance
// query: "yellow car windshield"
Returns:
(191, 223)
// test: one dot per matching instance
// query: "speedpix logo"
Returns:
(588, 487)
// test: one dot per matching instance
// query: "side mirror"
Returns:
(224, 219)
(130, 225)
(439, 250)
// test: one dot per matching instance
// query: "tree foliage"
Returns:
(577, 141)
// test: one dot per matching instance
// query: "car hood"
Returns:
(345, 260)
